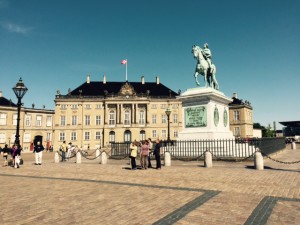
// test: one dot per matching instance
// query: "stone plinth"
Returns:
(205, 114)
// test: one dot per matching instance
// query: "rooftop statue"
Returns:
(205, 66)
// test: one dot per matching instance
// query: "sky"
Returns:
(53, 45)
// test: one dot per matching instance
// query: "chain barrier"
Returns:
(233, 160)
(278, 161)
(91, 158)
(187, 159)
(72, 156)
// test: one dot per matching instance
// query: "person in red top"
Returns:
(144, 154)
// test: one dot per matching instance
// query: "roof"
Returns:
(98, 88)
(6, 102)
(290, 123)
(236, 101)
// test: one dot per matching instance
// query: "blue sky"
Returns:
(53, 45)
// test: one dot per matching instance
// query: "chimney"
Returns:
(104, 79)
(88, 79)
(235, 95)
(157, 80)
(143, 79)
(1, 94)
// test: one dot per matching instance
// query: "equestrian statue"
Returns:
(205, 66)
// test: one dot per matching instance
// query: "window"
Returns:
(112, 116)
(163, 106)
(153, 106)
(63, 120)
(74, 120)
(142, 117)
(15, 117)
(98, 120)
(62, 136)
(154, 118)
(154, 134)
(87, 106)
(48, 137)
(3, 118)
(237, 131)
(27, 137)
(73, 136)
(49, 121)
(27, 120)
(87, 120)
(2, 138)
(175, 106)
(127, 117)
(142, 135)
(63, 106)
(236, 115)
(39, 121)
(163, 118)
(175, 133)
(127, 136)
(98, 106)
(111, 136)
(87, 135)
(74, 106)
(175, 118)
(163, 133)
(98, 135)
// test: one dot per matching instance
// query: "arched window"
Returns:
(142, 135)
(127, 136)
(127, 117)
(112, 117)
(112, 136)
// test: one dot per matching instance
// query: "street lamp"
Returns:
(20, 89)
(168, 113)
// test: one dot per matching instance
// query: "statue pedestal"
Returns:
(205, 114)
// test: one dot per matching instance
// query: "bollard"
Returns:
(56, 157)
(293, 144)
(103, 158)
(98, 153)
(258, 161)
(167, 159)
(78, 157)
(207, 159)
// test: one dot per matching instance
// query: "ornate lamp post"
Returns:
(20, 89)
(168, 113)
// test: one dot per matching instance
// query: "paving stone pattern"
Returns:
(185, 193)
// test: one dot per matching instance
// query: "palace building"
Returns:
(100, 112)
(241, 117)
(35, 125)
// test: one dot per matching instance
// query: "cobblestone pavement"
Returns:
(185, 193)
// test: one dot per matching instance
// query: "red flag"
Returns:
(124, 61)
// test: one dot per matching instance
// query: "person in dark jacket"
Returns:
(38, 151)
(5, 151)
(157, 153)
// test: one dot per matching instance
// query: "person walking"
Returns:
(63, 151)
(150, 152)
(5, 151)
(133, 155)
(144, 155)
(38, 152)
(157, 152)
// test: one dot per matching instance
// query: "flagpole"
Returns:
(126, 69)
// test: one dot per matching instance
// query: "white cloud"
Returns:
(14, 28)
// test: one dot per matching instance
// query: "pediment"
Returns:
(127, 89)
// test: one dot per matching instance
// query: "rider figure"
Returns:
(207, 54)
